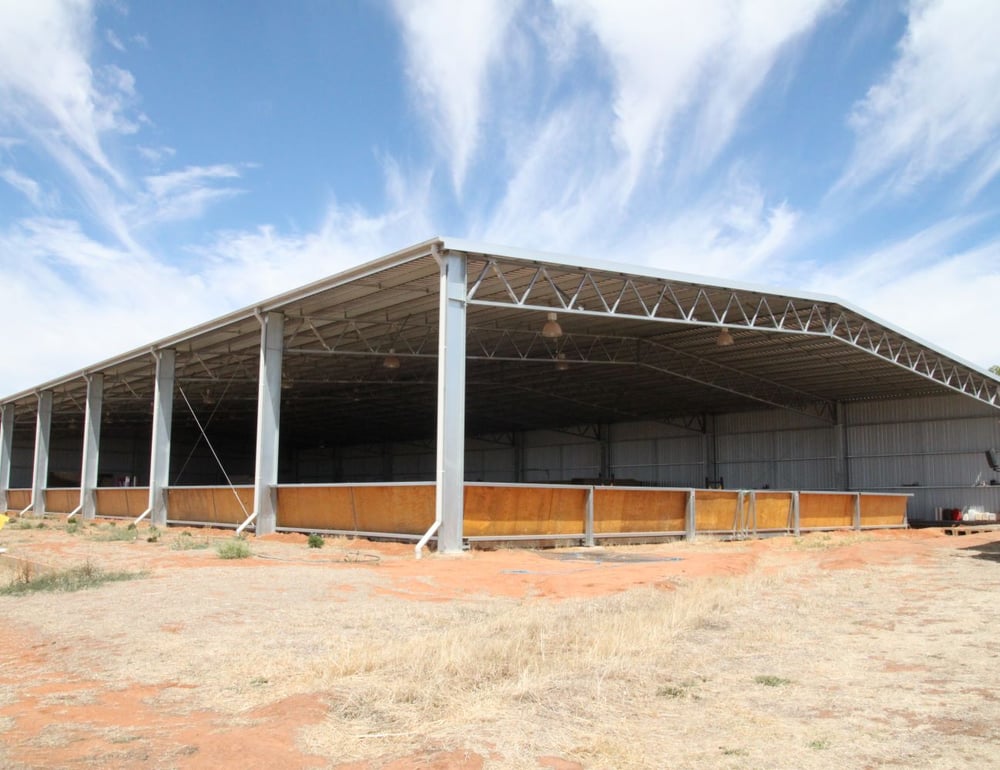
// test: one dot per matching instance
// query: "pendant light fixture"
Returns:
(551, 330)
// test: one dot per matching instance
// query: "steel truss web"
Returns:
(497, 282)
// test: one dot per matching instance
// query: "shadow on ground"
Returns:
(985, 551)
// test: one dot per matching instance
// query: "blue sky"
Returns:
(163, 163)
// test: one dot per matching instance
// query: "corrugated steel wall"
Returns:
(657, 454)
(552, 457)
(933, 448)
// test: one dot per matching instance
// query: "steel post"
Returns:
(450, 497)
(40, 474)
(689, 516)
(272, 343)
(6, 447)
(588, 524)
(91, 444)
(159, 456)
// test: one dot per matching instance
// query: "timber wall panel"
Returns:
(499, 511)
(316, 508)
(18, 499)
(883, 510)
(716, 510)
(62, 500)
(825, 510)
(214, 505)
(639, 510)
(406, 509)
(129, 502)
(774, 510)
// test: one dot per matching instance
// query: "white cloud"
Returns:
(450, 47)
(733, 232)
(85, 300)
(155, 156)
(26, 186)
(926, 286)
(114, 41)
(182, 195)
(62, 106)
(264, 261)
(562, 192)
(939, 106)
(46, 82)
(703, 61)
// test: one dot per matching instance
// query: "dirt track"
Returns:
(833, 650)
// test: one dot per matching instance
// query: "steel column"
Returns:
(91, 444)
(588, 519)
(690, 512)
(711, 449)
(450, 497)
(272, 343)
(159, 455)
(606, 469)
(6, 447)
(40, 474)
(841, 468)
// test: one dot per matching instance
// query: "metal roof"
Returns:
(637, 344)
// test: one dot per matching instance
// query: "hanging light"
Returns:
(725, 339)
(551, 330)
(391, 361)
(561, 363)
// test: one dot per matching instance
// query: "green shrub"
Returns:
(86, 575)
(769, 680)
(233, 549)
(184, 542)
(113, 533)
(316, 541)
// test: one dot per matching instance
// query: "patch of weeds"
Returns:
(113, 533)
(72, 528)
(258, 681)
(153, 536)
(682, 690)
(85, 575)
(729, 752)
(769, 680)
(184, 542)
(233, 549)
(819, 745)
(40, 525)
(315, 541)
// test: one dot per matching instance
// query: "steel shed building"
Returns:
(461, 391)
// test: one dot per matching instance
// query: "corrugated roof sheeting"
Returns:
(638, 347)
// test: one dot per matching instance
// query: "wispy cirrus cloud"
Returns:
(184, 194)
(939, 105)
(927, 283)
(450, 48)
(701, 62)
(28, 187)
(48, 85)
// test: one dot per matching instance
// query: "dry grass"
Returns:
(789, 666)
(29, 579)
(525, 676)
